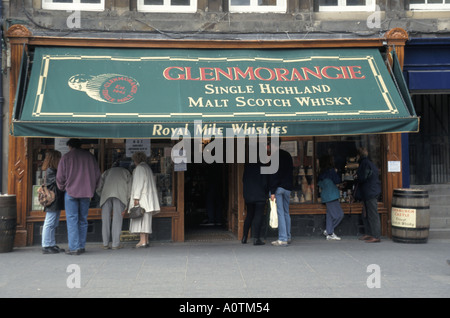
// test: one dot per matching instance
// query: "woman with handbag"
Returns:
(145, 195)
(53, 211)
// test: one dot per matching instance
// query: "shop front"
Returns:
(196, 106)
(427, 74)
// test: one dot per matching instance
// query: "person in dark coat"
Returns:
(255, 196)
(369, 188)
(53, 211)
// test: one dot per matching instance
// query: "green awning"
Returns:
(140, 93)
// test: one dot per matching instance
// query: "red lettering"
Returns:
(259, 76)
(167, 75)
(204, 74)
(325, 74)
(228, 75)
(248, 72)
(353, 72)
(176, 73)
(296, 75)
(282, 74)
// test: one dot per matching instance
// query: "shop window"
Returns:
(306, 153)
(109, 152)
(429, 5)
(346, 5)
(167, 6)
(257, 5)
(80, 5)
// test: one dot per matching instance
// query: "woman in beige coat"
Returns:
(145, 194)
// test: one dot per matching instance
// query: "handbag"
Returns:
(45, 196)
(136, 212)
(273, 220)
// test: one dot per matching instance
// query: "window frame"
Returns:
(343, 7)
(280, 7)
(167, 7)
(429, 6)
(76, 5)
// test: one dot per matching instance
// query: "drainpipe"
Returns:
(1, 95)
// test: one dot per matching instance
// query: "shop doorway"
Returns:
(429, 149)
(206, 202)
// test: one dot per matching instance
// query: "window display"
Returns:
(307, 151)
(115, 151)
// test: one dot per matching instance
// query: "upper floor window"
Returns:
(257, 5)
(347, 5)
(429, 4)
(167, 6)
(81, 5)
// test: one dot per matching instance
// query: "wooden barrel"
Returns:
(8, 217)
(410, 216)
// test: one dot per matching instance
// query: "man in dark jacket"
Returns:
(369, 188)
(280, 186)
(255, 197)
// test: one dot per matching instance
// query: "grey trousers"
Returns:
(371, 219)
(115, 206)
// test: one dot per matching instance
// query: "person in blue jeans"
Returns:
(52, 212)
(78, 174)
(327, 181)
(280, 186)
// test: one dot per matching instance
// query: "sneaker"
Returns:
(325, 233)
(279, 243)
(333, 237)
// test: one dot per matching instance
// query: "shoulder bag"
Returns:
(45, 195)
(136, 212)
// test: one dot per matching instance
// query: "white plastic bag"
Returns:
(273, 221)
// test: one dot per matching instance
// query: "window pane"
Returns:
(416, 1)
(180, 2)
(356, 2)
(267, 2)
(435, 1)
(240, 2)
(90, 1)
(328, 2)
(62, 1)
(153, 2)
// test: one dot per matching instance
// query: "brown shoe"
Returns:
(373, 240)
(365, 238)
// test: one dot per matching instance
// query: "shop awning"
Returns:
(138, 93)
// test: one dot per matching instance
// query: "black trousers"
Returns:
(371, 218)
(254, 218)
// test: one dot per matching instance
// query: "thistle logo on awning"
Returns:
(107, 88)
